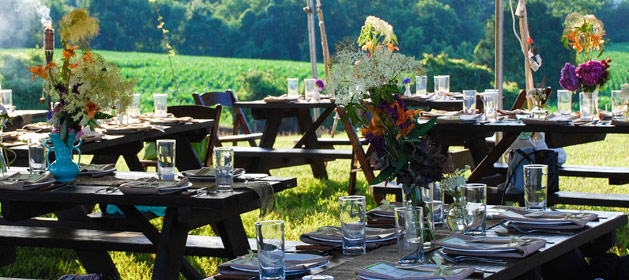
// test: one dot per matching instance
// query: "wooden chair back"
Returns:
(201, 112)
(226, 98)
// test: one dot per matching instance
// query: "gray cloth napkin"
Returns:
(333, 234)
(18, 181)
(483, 246)
(421, 272)
(265, 192)
(546, 219)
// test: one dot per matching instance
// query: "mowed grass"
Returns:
(312, 204)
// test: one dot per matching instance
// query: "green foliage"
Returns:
(257, 84)
(14, 75)
(463, 74)
(615, 20)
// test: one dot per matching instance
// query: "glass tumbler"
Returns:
(420, 85)
(535, 186)
(37, 155)
(309, 89)
(160, 102)
(469, 101)
(293, 87)
(7, 99)
(564, 101)
(619, 103)
(353, 224)
(410, 235)
(224, 164)
(166, 159)
(490, 99)
(271, 255)
(475, 203)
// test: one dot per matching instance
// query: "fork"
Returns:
(469, 258)
(527, 231)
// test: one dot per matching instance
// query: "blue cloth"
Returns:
(157, 210)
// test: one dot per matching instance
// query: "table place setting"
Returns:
(498, 247)
(552, 220)
(38, 127)
(389, 271)
(551, 119)
(459, 119)
(127, 129)
(332, 236)
(296, 264)
(283, 98)
(208, 173)
(97, 170)
(153, 186)
(383, 215)
(26, 181)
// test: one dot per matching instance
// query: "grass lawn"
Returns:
(312, 204)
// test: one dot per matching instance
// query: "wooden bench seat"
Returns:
(239, 137)
(336, 141)
(616, 175)
(128, 241)
(292, 152)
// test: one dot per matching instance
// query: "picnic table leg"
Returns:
(172, 244)
(233, 236)
(487, 163)
(8, 255)
(156, 238)
(304, 118)
(271, 129)
(187, 157)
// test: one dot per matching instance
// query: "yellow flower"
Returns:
(77, 26)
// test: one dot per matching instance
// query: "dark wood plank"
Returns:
(233, 236)
(170, 250)
(288, 152)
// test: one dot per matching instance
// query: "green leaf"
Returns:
(421, 129)
(403, 160)
(384, 175)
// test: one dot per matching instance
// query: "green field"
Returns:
(314, 202)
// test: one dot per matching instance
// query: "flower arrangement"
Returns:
(584, 34)
(367, 80)
(85, 84)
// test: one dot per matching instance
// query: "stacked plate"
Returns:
(296, 264)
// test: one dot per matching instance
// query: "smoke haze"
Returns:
(21, 23)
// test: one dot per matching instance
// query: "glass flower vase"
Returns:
(538, 111)
(588, 104)
(413, 196)
(455, 216)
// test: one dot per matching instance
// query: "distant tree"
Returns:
(616, 21)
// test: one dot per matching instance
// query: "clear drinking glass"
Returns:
(37, 155)
(564, 101)
(353, 224)
(433, 197)
(586, 106)
(293, 87)
(475, 201)
(7, 99)
(309, 89)
(224, 164)
(410, 235)
(442, 85)
(490, 105)
(134, 109)
(420, 85)
(535, 186)
(160, 102)
(469, 101)
(270, 239)
(166, 159)
(619, 103)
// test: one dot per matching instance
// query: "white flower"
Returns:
(381, 26)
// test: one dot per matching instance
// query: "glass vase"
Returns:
(588, 105)
(412, 195)
(455, 216)
(538, 111)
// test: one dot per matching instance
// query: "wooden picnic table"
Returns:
(307, 150)
(112, 146)
(22, 117)
(92, 236)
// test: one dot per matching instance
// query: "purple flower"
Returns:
(49, 115)
(569, 78)
(591, 72)
(320, 85)
(406, 81)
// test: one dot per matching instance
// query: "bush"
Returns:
(463, 74)
(258, 84)
(14, 74)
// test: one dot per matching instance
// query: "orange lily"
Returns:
(392, 47)
(91, 109)
(367, 46)
(597, 40)
(87, 57)
(403, 116)
(575, 42)
(38, 71)
(68, 52)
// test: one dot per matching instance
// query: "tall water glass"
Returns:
(420, 85)
(619, 103)
(586, 106)
(134, 109)
(37, 155)
(224, 157)
(433, 197)
(475, 201)
(160, 102)
(442, 85)
(564, 101)
(353, 224)
(490, 105)
(309, 89)
(270, 239)
(469, 101)
(410, 235)
(535, 186)
(166, 159)
(293, 87)
(7, 99)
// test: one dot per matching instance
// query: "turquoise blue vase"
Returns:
(64, 168)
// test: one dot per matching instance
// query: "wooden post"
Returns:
(311, 38)
(524, 34)
(324, 42)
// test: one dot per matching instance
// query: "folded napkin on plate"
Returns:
(208, 172)
(620, 123)
(281, 98)
(458, 119)
(330, 235)
(97, 167)
(247, 265)
(556, 220)
(454, 94)
(502, 247)
(550, 120)
(439, 113)
(511, 114)
(390, 271)
(383, 214)
(20, 182)
(39, 127)
(153, 186)
(416, 97)
(170, 121)
(126, 129)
